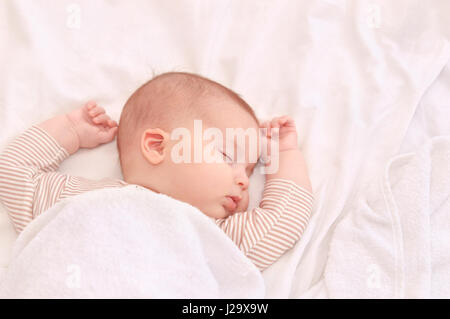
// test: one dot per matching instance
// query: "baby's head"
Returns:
(150, 158)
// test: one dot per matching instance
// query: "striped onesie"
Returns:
(30, 184)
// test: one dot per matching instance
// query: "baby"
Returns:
(30, 183)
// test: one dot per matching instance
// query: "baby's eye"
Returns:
(227, 157)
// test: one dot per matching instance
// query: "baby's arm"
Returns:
(292, 165)
(29, 182)
(85, 127)
(267, 232)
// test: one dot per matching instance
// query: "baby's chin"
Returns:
(218, 212)
(238, 210)
(241, 209)
(226, 213)
(222, 212)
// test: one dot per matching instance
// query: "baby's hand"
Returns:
(92, 125)
(287, 132)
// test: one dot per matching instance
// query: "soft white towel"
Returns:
(395, 242)
(127, 243)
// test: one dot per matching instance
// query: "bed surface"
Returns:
(363, 81)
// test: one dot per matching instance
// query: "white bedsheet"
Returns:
(352, 73)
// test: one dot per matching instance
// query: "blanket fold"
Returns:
(394, 243)
(127, 243)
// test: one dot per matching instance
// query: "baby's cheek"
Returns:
(218, 173)
(244, 202)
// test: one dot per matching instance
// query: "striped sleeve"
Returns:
(267, 232)
(29, 182)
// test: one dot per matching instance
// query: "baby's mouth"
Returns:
(231, 203)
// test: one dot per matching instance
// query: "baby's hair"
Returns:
(165, 102)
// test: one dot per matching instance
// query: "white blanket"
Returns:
(394, 243)
(127, 243)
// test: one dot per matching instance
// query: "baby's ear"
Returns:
(153, 145)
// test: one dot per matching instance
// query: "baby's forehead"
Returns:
(234, 126)
(239, 137)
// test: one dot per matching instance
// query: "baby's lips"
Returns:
(236, 199)
(230, 204)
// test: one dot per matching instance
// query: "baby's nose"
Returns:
(242, 181)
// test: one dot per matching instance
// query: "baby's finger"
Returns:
(283, 119)
(101, 119)
(287, 121)
(275, 122)
(90, 105)
(108, 135)
(97, 110)
(112, 123)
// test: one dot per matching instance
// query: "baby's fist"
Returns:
(284, 126)
(92, 125)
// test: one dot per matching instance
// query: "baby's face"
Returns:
(218, 188)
